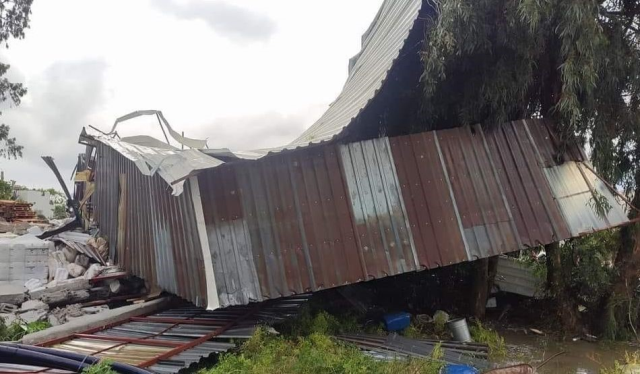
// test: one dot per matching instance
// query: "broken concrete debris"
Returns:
(33, 305)
(75, 270)
(59, 279)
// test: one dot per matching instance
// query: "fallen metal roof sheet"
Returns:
(516, 277)
(395, 346)
(381, 46)
(151, 233)
(336, 214)
(331, 215)
(174, 339)
(174, 166)
(576, 187)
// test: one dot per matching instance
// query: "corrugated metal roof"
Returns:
(381, 46)
(394, 346)
(330, 215)
(151, 233)
(516, 277)
(174, 166)
(174, 339)
(575, 187)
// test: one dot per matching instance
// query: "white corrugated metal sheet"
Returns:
(514, 276)
(381, 46)
(174, 166)
(573, 186)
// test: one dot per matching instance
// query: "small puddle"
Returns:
(581, 357)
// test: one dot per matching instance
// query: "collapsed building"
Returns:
(354, 198)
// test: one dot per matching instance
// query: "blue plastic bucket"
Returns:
(459, 369)
(397, 321)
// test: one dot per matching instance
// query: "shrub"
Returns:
(481, 334)
(316, 353)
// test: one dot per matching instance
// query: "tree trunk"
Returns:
(620, 314)
(566, 307)
(479, 288)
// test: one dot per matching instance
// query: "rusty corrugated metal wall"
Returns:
(154, 234)
(331, 215)
(337, 214)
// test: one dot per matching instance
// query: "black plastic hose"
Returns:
(56, 359)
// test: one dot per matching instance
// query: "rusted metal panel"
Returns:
(228, 238)
(159, 236)
(174, 339)
(331, 215)
(428, 201)
(538, 219)
(376, 200)
(296, 226)
(488, 226)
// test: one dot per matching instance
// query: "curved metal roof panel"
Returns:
(381, 46)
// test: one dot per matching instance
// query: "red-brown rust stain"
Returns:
(244, 173)
(415, 202)
(346, 241)
(434, 185)
(314, 223)
(506, 155)
(553, 222)
(330, 215)
(278, 211)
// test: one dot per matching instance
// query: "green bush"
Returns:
(15, 331)
(482, 334)
(101, 367)
(317, 353)
(307, 323)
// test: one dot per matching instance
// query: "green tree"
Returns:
(6, 190)
(576, 62)
(60, 212)
(14, 19)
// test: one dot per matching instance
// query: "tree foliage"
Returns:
(14, 19)
(574, 61)
(6, 190)
(60, 212)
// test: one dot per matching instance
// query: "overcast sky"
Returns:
(245, 74)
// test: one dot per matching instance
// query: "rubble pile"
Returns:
(59, 279)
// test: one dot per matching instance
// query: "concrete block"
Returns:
(95, 320)
(33, 305)
(33, 316)
(75, 270)
(12, 294)
(8, 318)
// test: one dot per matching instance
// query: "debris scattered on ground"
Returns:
(54, 281)
(396, 346)
(33, 305)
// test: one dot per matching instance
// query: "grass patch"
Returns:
(482, 334)
(317, 353)
(16, 330)
(307, 323)
(101, 367)
(621, 367)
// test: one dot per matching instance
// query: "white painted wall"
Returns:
(41, 201)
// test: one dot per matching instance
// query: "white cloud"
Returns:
(254, 79)
(225, 18)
